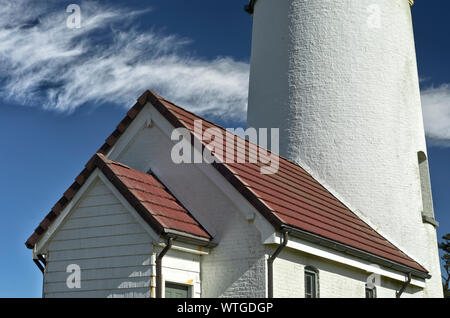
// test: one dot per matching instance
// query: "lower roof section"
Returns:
(146, 194)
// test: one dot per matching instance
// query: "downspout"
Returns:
(250, 6)
(39, 265)
(153, 276)
(159, 284)
(270, 264)
(40, 259)
(400, 292)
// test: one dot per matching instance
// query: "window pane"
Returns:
(424, 172)
(310, 284)
(176, 291)
(370, 293)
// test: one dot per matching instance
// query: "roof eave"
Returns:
(316, 239)
(188, 238)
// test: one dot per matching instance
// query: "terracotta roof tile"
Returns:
(144, 192)
(291, 196)
(294, 196)
(149, 192)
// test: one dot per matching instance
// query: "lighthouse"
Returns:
(339, 79)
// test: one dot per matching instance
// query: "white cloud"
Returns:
(44, 63)
(436, 114)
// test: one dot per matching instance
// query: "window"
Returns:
(311, 282)
(371, 292)
(427, 200)
(173, 290)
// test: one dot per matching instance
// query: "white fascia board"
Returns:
(336, 256)
(186, 247)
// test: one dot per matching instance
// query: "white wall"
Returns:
(344, 92)
(335, 280)
(183, 268)
(112, 249)
(236, 267)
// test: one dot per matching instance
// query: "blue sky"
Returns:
(63, 91)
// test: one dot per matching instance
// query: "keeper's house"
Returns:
(136, 224)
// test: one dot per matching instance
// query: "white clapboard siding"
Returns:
(101, 231)
(104, 273)
(113, 293)
(101, 252)
(97, 221)
(107, 209)
(100, 262)
(125, 282)
(112, 240)
(97, 200)
(109, 245)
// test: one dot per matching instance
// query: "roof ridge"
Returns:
(116, 163)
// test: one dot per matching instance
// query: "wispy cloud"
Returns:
(436, 113)
(44, 63)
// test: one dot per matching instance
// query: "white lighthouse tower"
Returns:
(339, 79)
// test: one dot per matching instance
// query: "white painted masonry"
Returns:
(339, 78)
(333, 256)
(335, 280)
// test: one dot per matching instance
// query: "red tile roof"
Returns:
(150, 197)
(292, 197)
(289, 197)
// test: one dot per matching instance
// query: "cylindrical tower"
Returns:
(339, 79)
